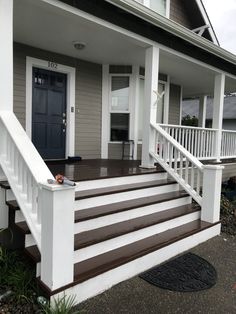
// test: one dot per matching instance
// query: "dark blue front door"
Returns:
(49, 113)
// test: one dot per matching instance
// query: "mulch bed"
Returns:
(228, 216)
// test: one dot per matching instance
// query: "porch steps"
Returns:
(92, 237)
(99, 273)
(123, 226)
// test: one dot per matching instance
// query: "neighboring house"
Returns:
(191, 107)
(78, 78)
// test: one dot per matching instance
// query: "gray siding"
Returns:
(115, 151)
(88, 97)
(174, 109)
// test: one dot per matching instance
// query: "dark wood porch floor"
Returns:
(91, 169)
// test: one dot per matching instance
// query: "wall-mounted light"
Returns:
(79, 45)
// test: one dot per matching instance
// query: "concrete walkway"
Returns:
(135, 296)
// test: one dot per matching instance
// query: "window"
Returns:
(119, 127)
(119, 108)
(120, 93)
(158, 6)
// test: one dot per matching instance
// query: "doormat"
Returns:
(186, 273)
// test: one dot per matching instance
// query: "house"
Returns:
(80, 78)
(191, 107)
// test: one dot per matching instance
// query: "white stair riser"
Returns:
(19, 216)
(131, 237)
(103, 183)
(124, 196)
(105, 281)
(38, 269)
(9, 195)
(29, 240)
(129, 214)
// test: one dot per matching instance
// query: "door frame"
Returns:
(70, 98)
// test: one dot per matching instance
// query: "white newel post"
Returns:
(150, 96)
(218, 107)
(56, 204)
(202, 112)
(211, 193)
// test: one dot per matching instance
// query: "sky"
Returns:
(222, 15)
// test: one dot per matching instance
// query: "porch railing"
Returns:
(45, 207)
(197, 141)
(228, 144)
(202, 183)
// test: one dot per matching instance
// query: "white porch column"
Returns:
(6, 60)
(218, 107)
(149, 114)
(135, 106)
(202, 111)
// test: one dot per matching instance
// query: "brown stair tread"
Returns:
(121, 188)
(22, 225)
(91, 237)
(99, 264)
(13, 204)
(33, 253)
(98, 211)
(5, 185)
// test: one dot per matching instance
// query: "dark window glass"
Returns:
(119, 126)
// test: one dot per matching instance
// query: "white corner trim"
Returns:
(70, 101)
(180, 105)
(168, 9)
(105, 111)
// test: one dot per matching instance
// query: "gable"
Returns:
(191, 14)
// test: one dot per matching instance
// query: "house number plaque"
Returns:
(52, 65)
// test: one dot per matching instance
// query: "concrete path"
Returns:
(135, 296)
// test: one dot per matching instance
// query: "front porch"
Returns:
(93, 169)
(120, 218)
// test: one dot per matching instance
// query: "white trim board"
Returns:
(70, 98)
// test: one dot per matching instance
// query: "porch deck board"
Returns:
(92, 169)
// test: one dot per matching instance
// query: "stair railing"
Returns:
(178, 162)
(201, 182)
(48, 209)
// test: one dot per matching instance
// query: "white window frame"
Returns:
(146, 3)
(120, 111)
(70, 98)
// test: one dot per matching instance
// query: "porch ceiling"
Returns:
(43, 25)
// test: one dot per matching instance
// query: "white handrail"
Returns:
(186, 127)
(24, 169)
(178, 162)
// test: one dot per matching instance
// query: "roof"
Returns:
(191, 107)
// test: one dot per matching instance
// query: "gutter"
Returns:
(174, 28)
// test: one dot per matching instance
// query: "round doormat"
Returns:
(186, 273)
